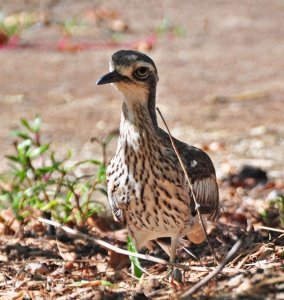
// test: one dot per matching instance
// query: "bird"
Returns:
(147, 188)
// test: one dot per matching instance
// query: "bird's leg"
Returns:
(174, 243)
(174, 274)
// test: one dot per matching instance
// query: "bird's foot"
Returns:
(175, 277)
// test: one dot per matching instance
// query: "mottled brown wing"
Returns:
(203, 179)
(207, 196)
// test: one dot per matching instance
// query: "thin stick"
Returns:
(113, 248)
(190, 253)
(197, 205)
(271, 229)
(217, 270)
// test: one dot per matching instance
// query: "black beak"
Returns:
(113, 76)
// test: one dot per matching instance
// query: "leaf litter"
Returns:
(33, 265)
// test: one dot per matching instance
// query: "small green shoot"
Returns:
(15, 23)
(166, 27)
(85, 283)
(279, 205)
(273, 215)
(135, 264)
(74, 25)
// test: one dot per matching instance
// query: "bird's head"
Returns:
(133, 73)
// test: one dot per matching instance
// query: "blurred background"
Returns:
(220, 65)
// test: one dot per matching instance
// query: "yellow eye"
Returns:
(142, 72)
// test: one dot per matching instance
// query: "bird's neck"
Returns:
(140, 113)
(138, 120)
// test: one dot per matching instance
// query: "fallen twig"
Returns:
(119, 250)
(197, 205)
(271, 229)
(217, 270)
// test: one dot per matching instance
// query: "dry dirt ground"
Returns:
(221, 79)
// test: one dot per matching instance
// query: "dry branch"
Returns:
(216, 271)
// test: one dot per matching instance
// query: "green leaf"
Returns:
(55, 162)
(179, 31)
(20, 134)
(21, 174)
(164, 26)
(68, 197)
(106, 283)
(12, 158)
(135, 264)
(16, 200)
(45, 170)
(36, 125)
(24, 145)
(110, 136)
(51, 204)
(35, 201)
(36, 188)
(96, 209)
(33, 153)
(279, 203)
(26, 124)
(25, 214)
(102, 173)
(83, 283)
(86, 161)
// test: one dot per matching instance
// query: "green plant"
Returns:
(15, 23)
(135, 264)
(273, 214)
(278, 203)
(166, 27)
(73, 25)
(40, 181)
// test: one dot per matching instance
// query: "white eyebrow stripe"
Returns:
(128, 70)
(111, 68)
